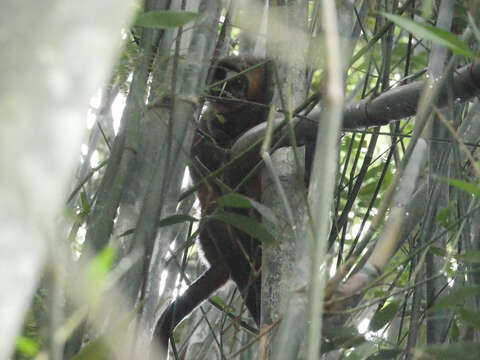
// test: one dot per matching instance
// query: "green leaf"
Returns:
(368, 190)
(246, 224)
(27, 346)
(101, 264)
(386, 354)
(112, 338)
(470, 317)
(84, 203)
(444, 216)
(221, 119)
(96, 349)
(473, 256)
(234, 200)
(438, 251)
(127, 232)
(338, 336)
(384, 316)
(455, 297)
(374, 171)
(454, 332)
(468, 187)
(432, 33)
(169, 220)
(460, 350)
(165, 19)
(228, 307)
(176, 219)
(97, 272)
(242, 201)
(217, 299)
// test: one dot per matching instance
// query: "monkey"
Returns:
(240, 92)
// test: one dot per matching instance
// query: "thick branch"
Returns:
(392, 105)
(402, 102)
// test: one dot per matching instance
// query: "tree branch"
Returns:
(390, 106)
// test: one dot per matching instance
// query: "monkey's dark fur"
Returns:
(234, 107)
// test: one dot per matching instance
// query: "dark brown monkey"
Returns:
(234, 107)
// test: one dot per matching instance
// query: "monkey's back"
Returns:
(220, 242)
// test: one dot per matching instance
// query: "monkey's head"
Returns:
(240, 93)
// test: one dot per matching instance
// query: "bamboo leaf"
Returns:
(470, 317)
(242, 201)
(384, 316)
(432, 33)
(455, 297)
(176, 219)
(464, 351)
(97, 272)
(473, 257)
(165, 19)
(27, 346)
(386, 354)
(466, 186)
(246, 224)
(169, 220)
